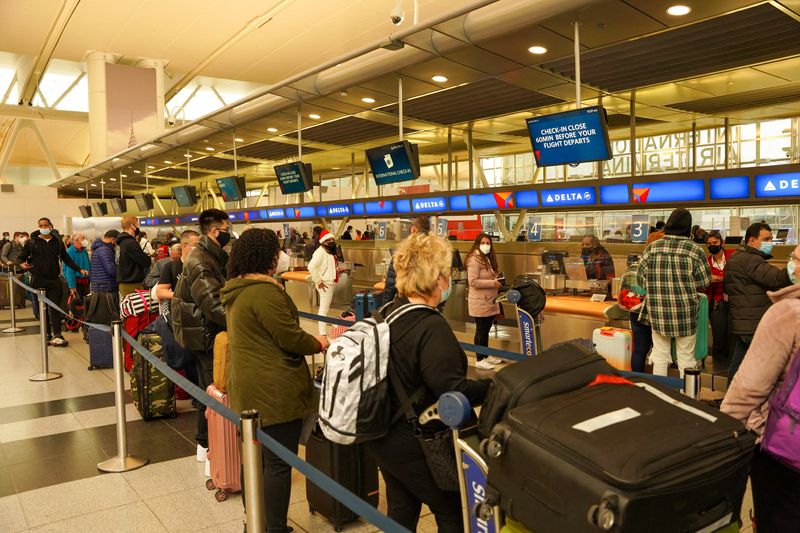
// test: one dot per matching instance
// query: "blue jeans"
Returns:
(740, 347)
(642, 342)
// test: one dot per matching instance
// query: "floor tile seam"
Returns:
(56, 404)
(71, 517)
(81, 428)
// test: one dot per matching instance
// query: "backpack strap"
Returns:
(378, 315)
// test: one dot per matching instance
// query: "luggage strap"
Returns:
(680, 405)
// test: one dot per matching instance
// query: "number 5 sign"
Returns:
(640, 227)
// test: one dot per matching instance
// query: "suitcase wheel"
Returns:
(221, 495)
(312, 510)
(494, 446)
(603, 516)
(210, 484)
(484, 511)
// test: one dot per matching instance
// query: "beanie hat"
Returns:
(679, 223)
(325, 236)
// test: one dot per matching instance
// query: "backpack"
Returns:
(355, 404)
(782, 432)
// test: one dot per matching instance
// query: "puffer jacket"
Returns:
(104, 268)
(197, 311)
(748, 277)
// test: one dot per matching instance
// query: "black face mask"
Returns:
(223, 238)
(330, 246)
(714, 249)
(586, 251)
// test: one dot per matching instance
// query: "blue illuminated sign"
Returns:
(459, 203)
(728, 188)
(669, 191)
(403, 206)
(358, 208)
(383, 207)
(571, 137)
(614, 194)
(568, 197)
(338, 210)
(307, 211)
(429, 205)
(321, 211)
(496, 200)
(527, 199)
(262, 214)
(276, 213)
(640, 227)
(771, 185)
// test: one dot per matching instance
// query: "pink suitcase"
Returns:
(224, 450)
(615, 345)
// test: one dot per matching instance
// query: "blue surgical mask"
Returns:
(766, 247)
(448, 291)
(45, 231)
(790, 268)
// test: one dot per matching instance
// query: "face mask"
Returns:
(586, 251)
(23, 240)
(485, 248)
(790, 268)
(283, 263)
(446, 292)
(223, 238)
(45, 231)
(330, 246)
(714, 249)
(766, 247)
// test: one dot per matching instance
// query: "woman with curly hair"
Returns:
(267, 366)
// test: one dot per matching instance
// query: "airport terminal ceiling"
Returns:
(726, 62)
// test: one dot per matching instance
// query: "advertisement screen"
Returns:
(294, 177)
(491, 201)
(394, 162)
(571, 137)
(568, 197)
(669, 191)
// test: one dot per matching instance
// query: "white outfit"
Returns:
(661, 356)
(322, 267)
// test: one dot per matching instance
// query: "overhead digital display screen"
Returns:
(669, 191)
(86, 211)
(574, 136)
(306, 211)
(614, 194)
(186, 195)
(492, 201)
(144, 201)
(771, 185)
(276, 213)
(729, 188)
(568, 197)
(527, 199)
(436, 204)
(383, 207)
(119, 205)
(338, 210)
(358, 208)
(402, 206)
(294, 177)
(458, 203)
(394, 162)
(232, 188)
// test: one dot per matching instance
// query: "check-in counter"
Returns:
(573, 317)
(301, 290)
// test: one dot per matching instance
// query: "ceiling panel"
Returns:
(747, 100)
(178, 173)
(733, 81)
(487, 98)
(349, 131)
(220, 164)
(760, 33)
(787, 69)
(515, 45)
(272, 150)
(24, 25)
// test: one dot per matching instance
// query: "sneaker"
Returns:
(207, 469)
(495, 360)
(58, 341)
(484, 364)
(202, 454)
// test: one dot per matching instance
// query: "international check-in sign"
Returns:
(381, 236)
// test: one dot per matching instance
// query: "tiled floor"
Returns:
(53, 434)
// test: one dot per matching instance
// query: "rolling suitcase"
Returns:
(100, 307)
(224, 450)
(101, 353)
(615, 345)
(19, 292)
(621, 456)
(351, 466)
(153, 393)
(364, 303)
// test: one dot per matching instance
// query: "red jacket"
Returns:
(715, 291)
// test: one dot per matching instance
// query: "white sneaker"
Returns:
(207, 469)
(495, 360)
(202, 454)
(484, 365)
(58, 341)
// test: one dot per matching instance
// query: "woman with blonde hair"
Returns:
(427, 361)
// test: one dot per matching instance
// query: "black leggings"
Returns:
(483, 325)
(54, 292)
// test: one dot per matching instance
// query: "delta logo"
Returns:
(381, 203)
(505, 200)
(640, 195)
(296, 213)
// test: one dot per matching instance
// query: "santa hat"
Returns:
(325, 236)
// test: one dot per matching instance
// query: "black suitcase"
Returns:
(100, 308)
(19, 292)
(351, 466)
(100, 349)
(621, 458)
(555, 371)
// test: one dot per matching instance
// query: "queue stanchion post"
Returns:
(123, 462)
(253, 472)
(11, 304)
(45, 374)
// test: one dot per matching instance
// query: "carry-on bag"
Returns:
(349, 465)
(19, 292)
(622, 456)
(224, 450)
(101, 353)
(221, 360)
(153, 393)
(100, 308)
(560, 369)
(615, 345)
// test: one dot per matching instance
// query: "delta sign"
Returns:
(776, 185)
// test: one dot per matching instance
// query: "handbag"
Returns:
(439, 449)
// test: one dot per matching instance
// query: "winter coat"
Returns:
(104, 268)
(482, 290)
(81, 258)
(390, 284)
(322, 267)
(748, 277)
(10, 253)
(267, 347)
(197, 311)
(151, 280)
(44, 257)
(134, 263)
(764, 367)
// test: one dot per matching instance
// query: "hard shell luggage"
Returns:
(101, 353)
(623, 457)
(224, 450)
(351, 466)
(19, 292)
(364, 303)
(560, 369)
(615, 345)
(153, 393)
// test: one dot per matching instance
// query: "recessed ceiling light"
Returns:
(137, 171)
(239, 140)
(93, 184)
(113, 179)
(439, 78)
(538, 50)
(187, 156)
(150, 166)
(368, 100)
(80, 188)
(168, 162)
(272, 130)
(314, 116)
(205, 140)
(115, 159)
(102, 182)
(124, 175)
(210, 148)
(335, 168)
(678, 10)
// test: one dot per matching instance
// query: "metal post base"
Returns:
(122, 464)
(45, 376)
(13, 330)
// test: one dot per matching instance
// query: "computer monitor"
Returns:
(733, 240)
(119, 205)
(782, 234)
(232, 188)
(144, 201)
(100, 208)
(86, 211)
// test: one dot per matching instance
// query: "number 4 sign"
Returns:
(535, 229)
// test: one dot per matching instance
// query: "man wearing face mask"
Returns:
(197, 311)
(599, 264)
(171, 270)
(324, 271)
(748, 277)
(134, 263)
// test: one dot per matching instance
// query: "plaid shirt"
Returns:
(672, 270)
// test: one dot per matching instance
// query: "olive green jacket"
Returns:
(267, 368)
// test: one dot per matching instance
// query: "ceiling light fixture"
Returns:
(113, 179)
(368, 100)
(80, 188)
(93, 184)
(314, 116)
(137, 171)
(439, 78)
(678, 10)
(210, 148)
(272, 130)
(239, 140)
(187, 156)
(150, 166)
(167, 162)
(115, 159)
(124, 175)
(538, 50)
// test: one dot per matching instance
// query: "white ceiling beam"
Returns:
(11, 140)
(51, 162)
(41, 113)
(43, 59)
(8, 90)
(69, 89)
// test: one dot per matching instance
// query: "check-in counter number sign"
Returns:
(535, 230)
(640, 227)
(382, 231)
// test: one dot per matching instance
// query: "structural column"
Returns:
(158, 65)
(98, 113)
